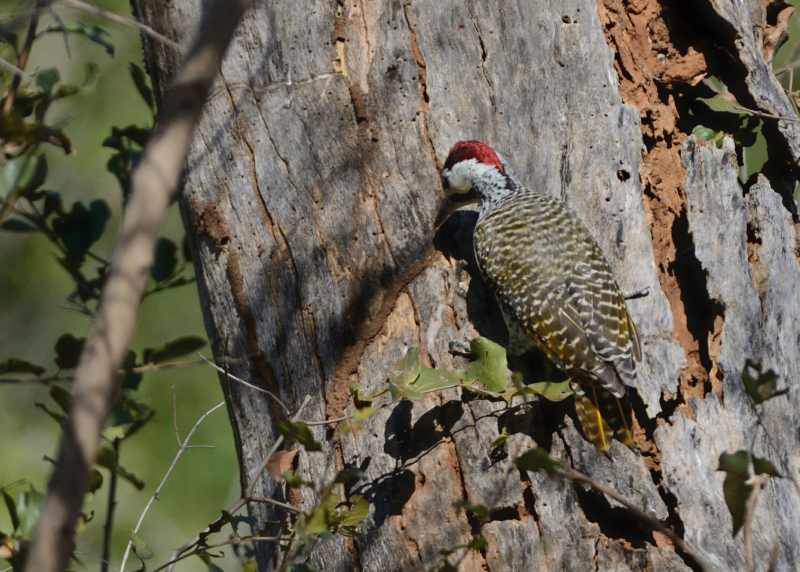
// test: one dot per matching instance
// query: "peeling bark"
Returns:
(310, 197)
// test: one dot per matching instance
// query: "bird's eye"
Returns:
(445, 183)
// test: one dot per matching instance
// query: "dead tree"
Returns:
(310, 195)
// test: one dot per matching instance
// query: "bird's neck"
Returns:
(494, 188)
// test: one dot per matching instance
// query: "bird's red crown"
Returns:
(481, 152)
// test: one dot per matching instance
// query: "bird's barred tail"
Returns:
(604, 417)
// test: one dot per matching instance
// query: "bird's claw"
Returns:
(640, 293)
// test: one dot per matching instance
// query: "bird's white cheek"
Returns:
(458, 182)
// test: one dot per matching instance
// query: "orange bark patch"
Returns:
(651, 54)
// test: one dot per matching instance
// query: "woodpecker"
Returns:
(553, 285)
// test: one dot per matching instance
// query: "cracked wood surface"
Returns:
(310, 196)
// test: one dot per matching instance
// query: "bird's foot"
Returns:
(640, 293)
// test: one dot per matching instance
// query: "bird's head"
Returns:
(472, 173)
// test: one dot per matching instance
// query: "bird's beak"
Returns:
(451, 203)
(446, 208)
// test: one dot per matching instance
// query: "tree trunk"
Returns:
(310, 196)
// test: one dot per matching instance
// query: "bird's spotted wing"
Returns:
(552, 278)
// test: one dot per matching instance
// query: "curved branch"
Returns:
(154, 181)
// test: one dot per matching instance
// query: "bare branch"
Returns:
(108, 525)
(14, 69)
(183, 448)
(277, 503)
(187, 549)
(154, 182)
(652, 521)
(229, 375)
(124, 20)
(22, 59)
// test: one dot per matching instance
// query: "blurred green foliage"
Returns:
(86, 88)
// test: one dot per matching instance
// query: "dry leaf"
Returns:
(280, 462)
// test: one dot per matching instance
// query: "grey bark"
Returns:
(310, 195)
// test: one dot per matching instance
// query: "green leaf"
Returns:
(406, 372)
(46, 79)
(131, 380)
(11, 507)
(54, 415)
(91, 71)
(490, 367)
(15, 365)
(29, 506)
(722, 104)
(359, 510)
(348, 476)
(298, 432)
(62, 397)
(141, 548)
(127, 417)
(68, 350)
(16, 225)
(760, 385)
(20, 177)
(500, 440)
(107, 459)
(12, 171)
(174, 349)
(324, 517)
(142, 85)
(704, 133)
(551, 390)
(294, 480)
(95, 481)
(723, 100)
(359, 400)
(433, 379)
(165, 260)
(756, 155)
(38, 176)
(537, 459)
(81, 227)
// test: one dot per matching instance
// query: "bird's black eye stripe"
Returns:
(445, 183)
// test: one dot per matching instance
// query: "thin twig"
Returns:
(14, 69)
(151, 367)
(124, 20)
(175, 415)
(22, 59)
(154, 181)
(766, 114)
(656, 524)
(229, 375)
(200, 550)
(181, 552)
(279, 504)
(108, 526)
(183, 448)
